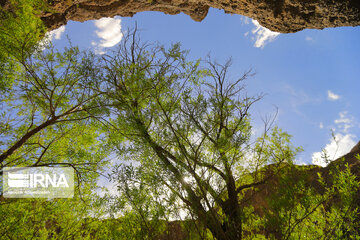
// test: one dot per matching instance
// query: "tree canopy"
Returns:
(180, 134)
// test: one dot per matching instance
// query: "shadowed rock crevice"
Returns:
(284, 16)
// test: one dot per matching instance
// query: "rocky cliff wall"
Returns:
(283, 16)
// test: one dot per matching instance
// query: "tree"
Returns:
(186, 129)
(182, 133)
(48, 109)
(20, 31)
(50, 218)
(46, 120)
(304, 206)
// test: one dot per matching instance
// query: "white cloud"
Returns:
(341, 142)
(337, 147)
(245, 20)
(56, 34)
(345, 122)
(309, 39)
(50, 36)
(109, 31)
(332, 96)
(321, 125)
(300, 161)
(97, 49)
(263, 35)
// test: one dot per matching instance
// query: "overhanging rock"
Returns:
(283, 16)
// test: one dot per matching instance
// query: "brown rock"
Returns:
(356, 148)
(284, 16)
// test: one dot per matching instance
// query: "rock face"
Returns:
(283, 16)
(308, 174)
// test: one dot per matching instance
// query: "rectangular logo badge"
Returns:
(38, 182)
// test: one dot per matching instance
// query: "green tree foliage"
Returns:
(187, 131)
(49, 218)
(20, 31)
(188, 164)
(183, 134)
(304, 207)
(46, 120)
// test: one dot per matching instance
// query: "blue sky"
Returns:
(311, 77)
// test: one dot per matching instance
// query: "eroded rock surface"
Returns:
(277, 15)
